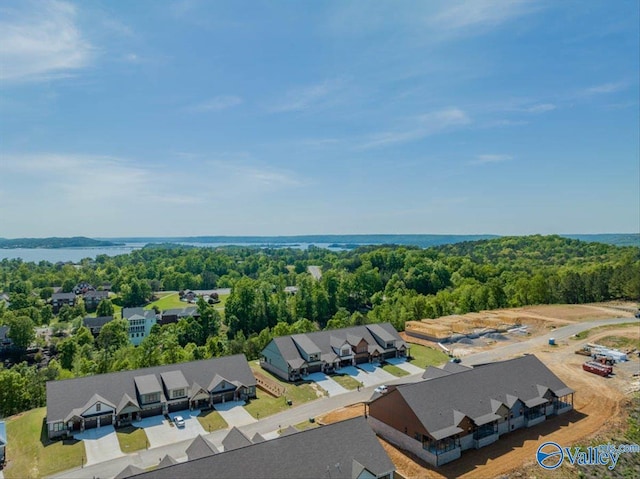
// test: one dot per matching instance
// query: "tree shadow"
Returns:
(44, 437)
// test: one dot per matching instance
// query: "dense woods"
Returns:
(369, 284)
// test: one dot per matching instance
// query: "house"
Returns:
(122, 397)
(140, 323)
(95, 324)
(83, 288)
(3, 442)
(439, 418)
(343, 450)
(58, 300)
(5, 340)
(294, 356)
(92, 299)
(176, 314)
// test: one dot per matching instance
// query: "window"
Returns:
(98, 407)
(177, 393)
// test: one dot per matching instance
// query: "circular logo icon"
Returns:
(549, 455)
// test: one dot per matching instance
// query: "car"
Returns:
(455, 360)
(381, 389)
(178, 421)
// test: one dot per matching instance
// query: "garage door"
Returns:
(90, 422)
(156, 411)
(227, 397)
(179, 406)
(106, 420)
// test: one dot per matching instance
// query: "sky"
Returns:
(184, 118)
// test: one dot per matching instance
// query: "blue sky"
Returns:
(157, 118)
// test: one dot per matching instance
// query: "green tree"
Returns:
(113, 335)
(21, 331)
(105, 308)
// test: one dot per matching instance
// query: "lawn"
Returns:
(345, 381)
(395, 370)
(306, 425)
(424, 356)
(266, 404)
(619, 342)
(31, 455)
(172, 300)
(212, 420)
(131, 438)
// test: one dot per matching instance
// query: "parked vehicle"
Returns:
(381, 389)
(178, 421)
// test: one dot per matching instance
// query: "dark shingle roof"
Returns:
(147, 384)
(66, 395)
(326, 451)
(167, 461)
(129, 471)
(200, 448)
(98, 322)
(174, 380)
(59, 296)
(235, 440)
(442, 402)
(145, 313)
(323, 341)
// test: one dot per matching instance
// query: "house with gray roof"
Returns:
(343, 450)
(95, 324)
(200, 447)
(58, 300)
(119, 398)
(140, 323)
(176, 314)
(291, 357)
(3, 442)
(468, 408)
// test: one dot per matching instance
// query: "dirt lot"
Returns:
(598, 407)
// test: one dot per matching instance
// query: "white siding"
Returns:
(104, 409)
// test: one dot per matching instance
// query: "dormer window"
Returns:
(345, 351)
(98, 407)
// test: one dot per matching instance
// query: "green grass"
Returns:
(395, 370)
(172, 300)
(618, 342)
(265, 404)
(346, 381)
(31, 455)
(131, 438)
(212, 420)
(306, 425)
(424, 356)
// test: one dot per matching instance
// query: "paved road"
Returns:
(298, 414)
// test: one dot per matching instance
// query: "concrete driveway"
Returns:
(374, 375)
(234, 414)
(160, 432)
(326, 383)
(402, 363)
(100, 444)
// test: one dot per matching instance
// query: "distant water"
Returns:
(75, 255)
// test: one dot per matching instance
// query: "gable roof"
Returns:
(235, 439)
(127, 313)
(325, 451)
(441, 402)
(325, 341)
(257, 437)
(167, 461)
(129, 471)
(98, 322)
(181, 312)
(200, 447)
(174, 380)
(63, 396)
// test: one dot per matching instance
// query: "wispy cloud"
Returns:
(425, 125)
(217, 103)
(41, 40)
(243, 175)
(467, 15)
(605, 88)
(302, 98)
(490, 158)
(540, 108)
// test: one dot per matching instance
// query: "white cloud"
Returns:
(425, 125)
(466, 15)
(41, 42)
(605, 88)
(540, 108)
(217, 103)
(490, 158)
(303, 98)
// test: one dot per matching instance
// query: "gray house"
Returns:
(344, 450)
(95, 324)
(294, 356)
(468, 408)
(3, 442)
(119, 398)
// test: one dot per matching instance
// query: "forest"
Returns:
(365, 285)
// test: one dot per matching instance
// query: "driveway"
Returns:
(234, 414)
(374, 374)
(100, 444)
(402, 363)
(160, 432)
(326, 383)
